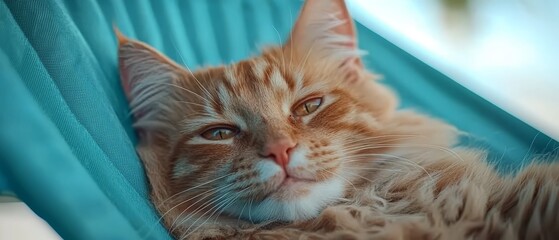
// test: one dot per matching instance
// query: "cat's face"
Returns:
(279, 139)
(275, 137)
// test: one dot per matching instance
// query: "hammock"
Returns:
(66, 142)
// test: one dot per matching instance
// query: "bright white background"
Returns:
(506, 51)
(18, 222)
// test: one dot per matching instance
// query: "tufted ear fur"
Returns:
(325, 30)
(147, 78)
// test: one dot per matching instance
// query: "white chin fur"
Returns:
(301, 208)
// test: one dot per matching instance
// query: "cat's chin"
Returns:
(291, 189)
(294, 200)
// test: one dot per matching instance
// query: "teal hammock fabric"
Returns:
(66, 142)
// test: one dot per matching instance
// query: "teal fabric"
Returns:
(509, 142)
(66, 142)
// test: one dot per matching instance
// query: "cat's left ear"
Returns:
(325, 30)
(147, 77)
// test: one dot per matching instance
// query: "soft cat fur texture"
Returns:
(301, 142)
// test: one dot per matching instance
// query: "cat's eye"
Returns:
(307, 107)
(219, 133)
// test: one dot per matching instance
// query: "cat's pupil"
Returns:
(308, 107)
(218, 134)
(312, 105)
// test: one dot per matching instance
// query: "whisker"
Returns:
(307, 56)
(249, 210)
(241, 214)
(190, 71)
(223, 204)
(372, 168)
(187, 90)
(201, 114)
(341, 178)
(184, 201)
(178, 52)
(192, 103)
(279, 39)
(291, 40)
(358, 175)
(404, 164)
(197, 210)
(395, 137)
(197, 186)
(237, 195)
(431, 146)
(396, 157)
(369, 141)
(180, 203)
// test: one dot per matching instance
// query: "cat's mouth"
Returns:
(290, 181)
(292, 187)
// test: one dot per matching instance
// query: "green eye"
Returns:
(307, 107)
(220, 133)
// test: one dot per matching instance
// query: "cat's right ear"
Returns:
(147, 77)
(325, 29)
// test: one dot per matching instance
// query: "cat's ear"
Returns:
(325, 29)
(147, 77)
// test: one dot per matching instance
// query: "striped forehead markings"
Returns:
(259, 66)
(261, 70)
(277, 80)
(229, 74)
(254, 80)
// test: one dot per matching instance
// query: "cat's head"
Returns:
(278, 136)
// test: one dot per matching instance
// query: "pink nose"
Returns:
(279, 150)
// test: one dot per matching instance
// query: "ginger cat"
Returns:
(302, 142)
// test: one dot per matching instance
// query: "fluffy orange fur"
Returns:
(359, 168)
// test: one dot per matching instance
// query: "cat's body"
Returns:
(301, 141)
(445, 193)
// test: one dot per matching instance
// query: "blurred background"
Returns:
(506, 51)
